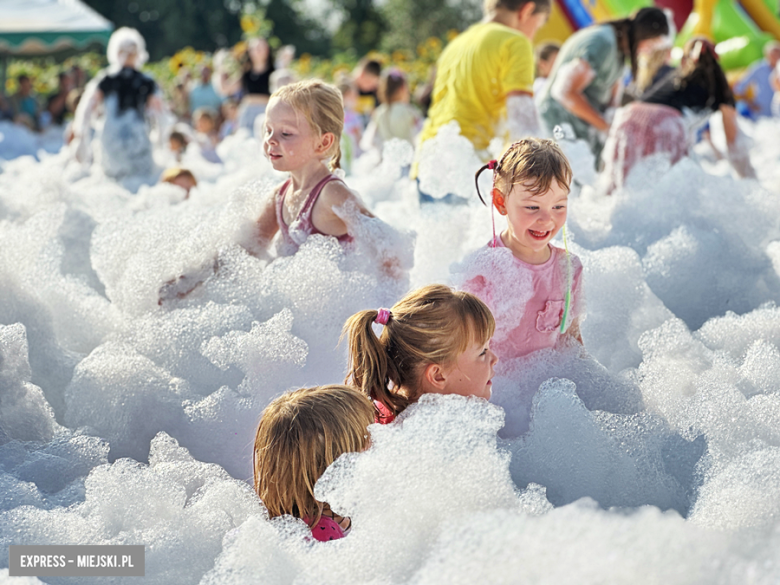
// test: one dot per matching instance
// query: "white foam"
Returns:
(674, 403)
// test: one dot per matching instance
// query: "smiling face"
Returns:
(289, 141)
(471, 373)
(533, 220)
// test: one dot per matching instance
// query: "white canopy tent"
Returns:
(38, 28)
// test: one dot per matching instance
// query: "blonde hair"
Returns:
(171, 174)
(534, 162)
(299, 435)
(432, 325)
(322, 106)
(648, 65)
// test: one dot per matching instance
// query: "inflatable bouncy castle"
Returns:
(739, 28)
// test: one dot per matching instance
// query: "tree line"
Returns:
(206, 25)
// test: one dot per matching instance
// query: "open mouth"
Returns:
(539, 235)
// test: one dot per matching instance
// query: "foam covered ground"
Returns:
(651, 455)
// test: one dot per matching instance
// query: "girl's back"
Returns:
(397, 120)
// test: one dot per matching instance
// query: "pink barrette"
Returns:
(382, 316)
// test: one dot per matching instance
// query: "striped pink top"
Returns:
(294, 235)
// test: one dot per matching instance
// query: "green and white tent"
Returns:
(38, 28)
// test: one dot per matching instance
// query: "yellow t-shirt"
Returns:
(475, 74)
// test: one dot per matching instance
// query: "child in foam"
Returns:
(300, 434)
(396, 117)
(303, 126)
(533, 286)
(434, 340)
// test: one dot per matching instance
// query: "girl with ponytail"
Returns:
(434, 340)
(590, 64)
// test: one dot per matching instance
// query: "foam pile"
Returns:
(142, 334)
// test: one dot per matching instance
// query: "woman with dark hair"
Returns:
(253, 83)
(663, 117)
(583, 83)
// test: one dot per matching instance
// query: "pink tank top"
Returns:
(294, 235)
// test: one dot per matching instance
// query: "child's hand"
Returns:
(391, 266)
(574, 331)
(181, 286)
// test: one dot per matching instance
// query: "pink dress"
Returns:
(294, 235)
(638, 131)
(527, 300)
(326, 529)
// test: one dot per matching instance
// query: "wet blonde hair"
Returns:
(322, 106)
(171, 174)
(534, 162)
(299, 435)
(432, 325)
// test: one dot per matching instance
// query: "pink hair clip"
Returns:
(492, 164)
(382, 316)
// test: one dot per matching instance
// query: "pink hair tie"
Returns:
(492, 164)
(382, 316)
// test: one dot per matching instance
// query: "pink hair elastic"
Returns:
(382, 316)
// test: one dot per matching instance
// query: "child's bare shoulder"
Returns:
(336, 192)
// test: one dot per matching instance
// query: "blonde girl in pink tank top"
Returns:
(302, 132)
(303, 125)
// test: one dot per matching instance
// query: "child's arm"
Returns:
(334, 194)
(267, 225)
(341, 211)
(738, 154)
(574, 330)
(181, 286)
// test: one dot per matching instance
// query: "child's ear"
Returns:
(326, 141)
(526, 11)
(498, 201)
(435, 377)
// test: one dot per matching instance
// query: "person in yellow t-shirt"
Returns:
(485, 76)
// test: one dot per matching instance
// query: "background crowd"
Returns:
(210, 96)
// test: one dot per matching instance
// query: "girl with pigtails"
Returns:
(435, 340)
(534, 287)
